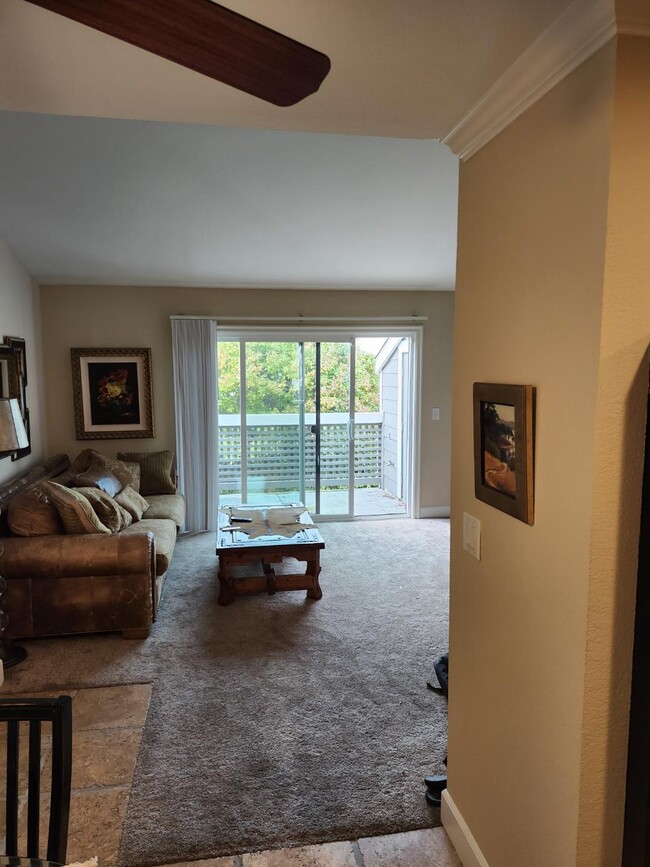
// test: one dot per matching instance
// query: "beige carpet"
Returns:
(278, 720)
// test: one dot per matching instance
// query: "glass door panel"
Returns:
(368, 428)
(328, 381)
(274, 439)
(230, 430)
(311, 440)
(381, 424)
(286, 432)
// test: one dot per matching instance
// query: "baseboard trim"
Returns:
(459, 833)
(434, 512)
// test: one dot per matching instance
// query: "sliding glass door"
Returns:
(329, 465)
(272, 401)
(327, 420)
(232, 433)
(285, 423)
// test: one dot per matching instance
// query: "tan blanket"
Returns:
(281, 521)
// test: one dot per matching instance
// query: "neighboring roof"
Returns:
(386, 352)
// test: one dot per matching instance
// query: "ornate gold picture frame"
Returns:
(113, 395)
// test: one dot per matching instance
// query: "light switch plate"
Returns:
(435, 413)
(472, 535)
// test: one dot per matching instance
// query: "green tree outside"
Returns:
(272, 378)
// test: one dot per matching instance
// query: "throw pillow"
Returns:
(32, 513)
(155, 471)
(82, 462)
(97, 477)
(90, 458)
(107, 509)
(134, 469)
(133, 502)
(75, 511)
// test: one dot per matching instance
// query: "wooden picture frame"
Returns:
(503, 447)
(13, 383)
(113, 396)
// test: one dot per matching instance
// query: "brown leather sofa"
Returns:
(67, 584)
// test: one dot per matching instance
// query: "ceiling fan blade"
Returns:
(209, 39)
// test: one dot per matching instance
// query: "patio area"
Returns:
(367, 501)
(277, 455)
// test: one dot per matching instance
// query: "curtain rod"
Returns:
(413, 318)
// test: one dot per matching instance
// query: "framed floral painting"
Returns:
(113, 397)
(503, 447)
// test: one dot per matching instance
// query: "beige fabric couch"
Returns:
(65, 584)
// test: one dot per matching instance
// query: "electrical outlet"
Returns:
(472, 535)
(435, 413)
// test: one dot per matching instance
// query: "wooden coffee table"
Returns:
(275, 532)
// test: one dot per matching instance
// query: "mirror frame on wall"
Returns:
(13, 382)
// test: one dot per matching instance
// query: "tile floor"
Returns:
(107, 728)
(427, 848)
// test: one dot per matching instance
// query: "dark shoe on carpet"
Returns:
(436, 783)
(433, 798)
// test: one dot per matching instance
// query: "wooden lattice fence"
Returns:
(273, 453)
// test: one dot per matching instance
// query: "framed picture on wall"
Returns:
(13, 383)
(113, 397)
(503, 447)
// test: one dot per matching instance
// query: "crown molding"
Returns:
(583, 28)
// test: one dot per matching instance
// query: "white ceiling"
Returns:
(96, 201)
(404, 68)
(107, 177)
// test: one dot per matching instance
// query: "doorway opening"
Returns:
(325, 419)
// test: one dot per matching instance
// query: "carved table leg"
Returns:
(313, 570)
(269, 572)
(226, 594)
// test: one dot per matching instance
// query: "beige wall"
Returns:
(114, 317)
(20, 317)
(618, 460)
(532, 224)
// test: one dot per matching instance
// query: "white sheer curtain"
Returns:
(194, 349)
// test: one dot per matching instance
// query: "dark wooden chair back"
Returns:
(35, 711)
